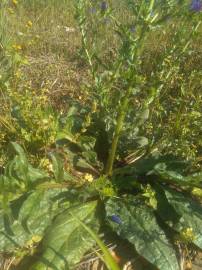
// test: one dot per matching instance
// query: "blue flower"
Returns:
(103, 5)
(132, 29)
(196, 5)
(116, 219)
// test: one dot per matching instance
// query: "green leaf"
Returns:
(190, 212)
(20, 169)
(145, 166)
(195, 178)
(172, 176)
(90, 157)
(82, 165)
(19, 150)
(35, 174)
(31, 214)
(65, 135)
(20, 164)
(58, 169)
(137, 223)
(37, 211)
(107, 257)
(87, 142)
(66, 240)
(141, 141)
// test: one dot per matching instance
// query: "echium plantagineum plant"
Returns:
(119, 82)
(54, 217)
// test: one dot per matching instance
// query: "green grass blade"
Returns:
(107, 257)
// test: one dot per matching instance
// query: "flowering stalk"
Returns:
(127, 66)
(81, 17)
(123, 108)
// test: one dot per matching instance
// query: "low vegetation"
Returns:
(100, 132)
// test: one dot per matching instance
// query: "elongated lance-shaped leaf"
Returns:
(58, 168)
(20, 169)
(32, 214)
(107, 257)
(189, 211)
(137, 223)
(66, 241)
(171, 176)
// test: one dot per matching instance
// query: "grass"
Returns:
(51, 45)
(40, 49)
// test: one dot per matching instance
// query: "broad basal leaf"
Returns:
(174, 177)
(136, 222)
(143, 166)
(66, 240)
(20, 169)
(31, 215)
(190, 212)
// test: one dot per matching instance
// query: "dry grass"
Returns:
(52, 46)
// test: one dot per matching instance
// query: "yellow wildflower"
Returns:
(188, 235)
(88, 177)
(18, 74)
(33, 241)
(197, 192)
(17, 47)
(15, 2)
(29, 24)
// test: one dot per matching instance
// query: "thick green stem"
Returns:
(122, 112)
(117, 132)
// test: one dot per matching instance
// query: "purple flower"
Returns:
(116, 219)
(103, 5)
(196, 5)
(132, 29)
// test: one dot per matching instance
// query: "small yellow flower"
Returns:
(36, 238)
(188, 235)
(29, 24)
(88, 177)
(33, 241)
(197, 192)
(17, 47)
(18, 74)
(15, 2)
(45, 164)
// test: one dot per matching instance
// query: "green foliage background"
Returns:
(60, 101)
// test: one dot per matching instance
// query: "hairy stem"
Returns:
(123, 109)
(117, 132)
